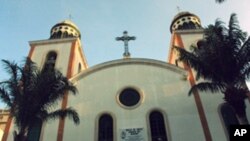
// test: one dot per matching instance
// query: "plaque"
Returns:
(132, 134)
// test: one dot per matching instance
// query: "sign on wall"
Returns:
(132, 134)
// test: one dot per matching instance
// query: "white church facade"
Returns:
(130, 99)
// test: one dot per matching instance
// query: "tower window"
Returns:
(65, 35)
(50, 61)
(59, 34)
(105, 128)
(157, 126)
(79, 67)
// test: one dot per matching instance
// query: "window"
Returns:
(105, 128)
(129, 97)
(59, 34)
(50, 61)
(228, 116)
(79, 67)
(35, 131)
(157, 126)
(65, 34)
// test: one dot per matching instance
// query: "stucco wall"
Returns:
(162, 87)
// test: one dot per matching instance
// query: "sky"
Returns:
(100, 21)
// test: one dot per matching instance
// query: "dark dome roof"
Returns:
(64, 29)
(185, 20)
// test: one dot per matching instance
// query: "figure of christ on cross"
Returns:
(125, 38)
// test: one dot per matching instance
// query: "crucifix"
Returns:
(70, 17)
(178, 9)
(125, 38)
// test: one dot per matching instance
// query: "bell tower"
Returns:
(186, 30)
(63, 51)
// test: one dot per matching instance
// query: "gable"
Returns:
(131, 67)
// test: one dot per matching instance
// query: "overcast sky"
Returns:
(100, 21)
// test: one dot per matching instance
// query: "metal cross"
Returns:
(70, 17)
(125, 38)
(178, 9)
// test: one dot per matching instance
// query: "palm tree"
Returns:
(222, 59)
(31, 95)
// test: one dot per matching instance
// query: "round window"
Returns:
(129, 97)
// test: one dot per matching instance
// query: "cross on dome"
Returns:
(125, 38)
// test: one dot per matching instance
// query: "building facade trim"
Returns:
(131, 61)
(65, 98)
(196, 95)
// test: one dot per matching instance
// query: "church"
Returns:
(130, 99)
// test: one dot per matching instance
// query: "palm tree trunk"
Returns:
(20, 136)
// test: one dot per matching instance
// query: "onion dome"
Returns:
(185, 20)
(64, 29)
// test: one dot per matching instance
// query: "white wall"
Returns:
(162, 86)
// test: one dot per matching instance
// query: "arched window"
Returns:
(105, 128)
(59, 34)
(50, 61)
(228, 116)
(35, 131)
(65, 34)
(157, 126)
(79, 67)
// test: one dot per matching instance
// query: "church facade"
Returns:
(130, 99)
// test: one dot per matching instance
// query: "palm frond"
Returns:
(31, 93)
(188, 58)
(12, 69)
(223, 61)
(207, 86)
(215, 35)
(5, 97)
(236, 36)
(57, 86)
(29, 73)
(243, 55)
(11, 86)
(196, 60)
(69, 112)
(246, 71)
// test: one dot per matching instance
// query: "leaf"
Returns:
(69, 112)
(207, 86)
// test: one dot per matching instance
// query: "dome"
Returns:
(185, 20)
(64, 29)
